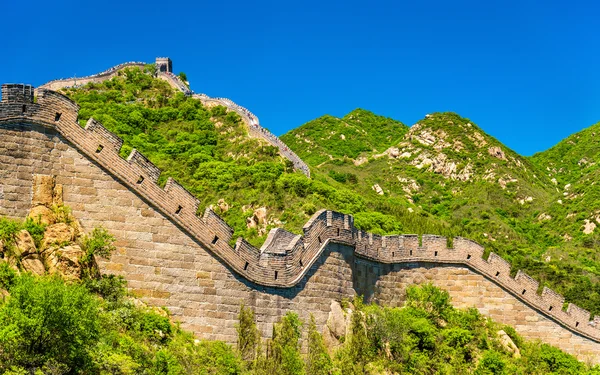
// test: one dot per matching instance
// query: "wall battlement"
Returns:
(164, 71)
(285, 258)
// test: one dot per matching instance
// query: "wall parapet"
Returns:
(254, 127)
(107, 74)
(285, 258)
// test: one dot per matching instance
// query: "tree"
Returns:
(285, 348)
(318, 361)
(248, 335)
(46, 321)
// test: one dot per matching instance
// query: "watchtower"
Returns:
(17, 93)
(164, 64)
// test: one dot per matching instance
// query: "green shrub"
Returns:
(248, 334)
(47, 320)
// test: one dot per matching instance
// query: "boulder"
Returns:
(377, 189)
(65, 261)
(33, 264)
(24, 244)
(223, 205)
(57, 234)
(258, 219)
(43, 214)
(43, 191)
(508, 344)
(497, 152)
(260, 215)
(336, 321)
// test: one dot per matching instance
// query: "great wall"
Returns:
(164, 71)
(171, 257)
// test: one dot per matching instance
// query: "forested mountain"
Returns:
(443, 175)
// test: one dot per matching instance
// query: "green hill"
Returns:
(329, 138)
(444, 175)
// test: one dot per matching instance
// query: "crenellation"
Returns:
(144, 166)
(95, 127)
(528, 285)
(183, 200)
(499, 266)
(17, 93)
(553, 302)
(283, 263)
(217, 225)
(578, 314)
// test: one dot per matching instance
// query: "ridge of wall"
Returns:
(285, 258)
(254, 127)
(98, 77)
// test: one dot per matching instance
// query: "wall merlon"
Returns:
(552, 300)
(17, 93)
(97, 128)
(217, 225)
(145, 167)
(528, 284)
(184, 200)
(285, 258)
(499, 265)
(578, 314)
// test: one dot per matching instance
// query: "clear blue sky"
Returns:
(527, 72)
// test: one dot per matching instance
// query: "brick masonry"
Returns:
(172, 257)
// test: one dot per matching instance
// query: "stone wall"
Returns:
(165, 72)
(172, 257)
(58, 84)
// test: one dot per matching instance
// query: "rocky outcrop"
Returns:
(46, 196)
(497, 152)
(508, 344)
(65, 261)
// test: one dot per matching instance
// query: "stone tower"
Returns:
(16, 93)
(164, 64)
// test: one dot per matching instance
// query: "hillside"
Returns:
(210, 152)
(444, 175)
(63, 317)
(449, 170)
(329, 138)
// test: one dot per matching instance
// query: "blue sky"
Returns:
(527, 72)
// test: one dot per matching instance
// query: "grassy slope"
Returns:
(438, 177)
(447, 169)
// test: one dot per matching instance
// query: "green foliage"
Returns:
(248, 335)
(429, 336)
(98, 243)
(285, 346)
(45, 319)
(318, 361)
(62, 214)
(7, 276)
(36, 229)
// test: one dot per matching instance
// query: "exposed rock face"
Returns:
(33, 264)
(258, 220)
(223, 205)
(57, 234)
(589, 227)
(24, 244)
(65, 261)
(508, 344)
(377, 189)
(497, 152)
(46, 194)
(361, 160)
(336, 322)
(43, 214)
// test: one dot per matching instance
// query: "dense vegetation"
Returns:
(208, 150)
(521, 208)
(92, 326)
(443, 176)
